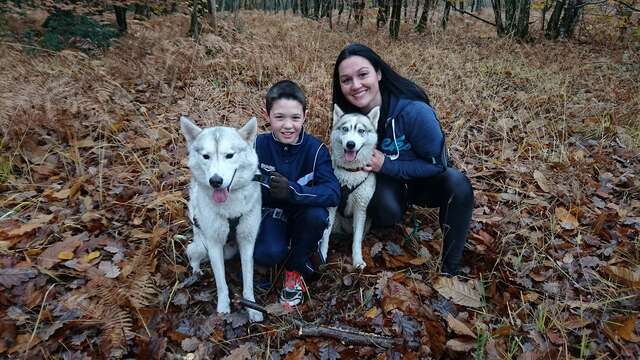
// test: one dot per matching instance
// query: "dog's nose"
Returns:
(215, 181)
(351, 145)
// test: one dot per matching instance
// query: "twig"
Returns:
(35, 328)
(470, 14)
(350, 337)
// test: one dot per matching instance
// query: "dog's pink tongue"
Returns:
(220, 195)
(349, 155)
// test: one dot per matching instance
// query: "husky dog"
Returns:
(353, 140)
(222, 196)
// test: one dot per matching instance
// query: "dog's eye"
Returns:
(345, 129)
(205, 156)
(228, 156)
(361, 131)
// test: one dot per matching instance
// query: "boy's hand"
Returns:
(279, 186)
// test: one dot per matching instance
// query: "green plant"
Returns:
(63, 26)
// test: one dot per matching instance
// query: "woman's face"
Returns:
(359, 83)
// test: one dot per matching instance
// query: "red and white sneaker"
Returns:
(292, 293)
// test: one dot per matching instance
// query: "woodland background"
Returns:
(541, 111)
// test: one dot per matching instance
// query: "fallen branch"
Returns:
(349, 337)
(470, 14)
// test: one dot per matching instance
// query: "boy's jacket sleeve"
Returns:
(325, 188)
(423, 132)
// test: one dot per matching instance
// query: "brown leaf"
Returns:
(542, 181)
(242, 352)
(32, 225)
(297, 354)
(626, 329)
(566, 219)
(50, 256)
(459, 292)
(15, 276)
(459, 327)
(190, 344)
(624, 275)
(461, 345)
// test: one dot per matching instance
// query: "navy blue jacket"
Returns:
(307, 166)
(412, 141)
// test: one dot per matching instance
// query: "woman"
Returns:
(411, 163)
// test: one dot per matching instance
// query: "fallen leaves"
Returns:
(462, 293)
(15, 276)
(459, 327)
(566, 219)
(542, 181)
(624, 275)
(52, 255)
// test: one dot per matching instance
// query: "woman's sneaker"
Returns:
(292, 293)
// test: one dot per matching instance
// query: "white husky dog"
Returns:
(223, 194)
(353, 140)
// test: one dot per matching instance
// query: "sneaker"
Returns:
(292, 293)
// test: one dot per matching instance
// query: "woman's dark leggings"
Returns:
(450, 191)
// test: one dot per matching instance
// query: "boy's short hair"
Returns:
(285, 89)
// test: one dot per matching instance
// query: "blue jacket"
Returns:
(306, 164)
(412, 141)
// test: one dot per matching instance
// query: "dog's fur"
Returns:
(360, 131)
(222, 190)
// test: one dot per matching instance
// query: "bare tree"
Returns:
(424, 17)
(512, 17)
(394, 23)
(383, 13)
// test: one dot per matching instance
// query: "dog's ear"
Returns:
(337, 113)
(373, 116)
(189, 129)
(249, 131)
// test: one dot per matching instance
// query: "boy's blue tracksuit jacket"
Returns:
(412, 140)
(306, 164)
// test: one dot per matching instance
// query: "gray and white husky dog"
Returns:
(222, 195)
(353, 141)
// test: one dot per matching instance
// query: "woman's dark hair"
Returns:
(391, 83)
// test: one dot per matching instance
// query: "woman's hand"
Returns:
(376, 162)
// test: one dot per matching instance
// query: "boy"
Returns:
(301, 188)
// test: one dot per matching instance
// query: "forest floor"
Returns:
(93, 181)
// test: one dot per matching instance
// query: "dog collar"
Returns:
(351, 170)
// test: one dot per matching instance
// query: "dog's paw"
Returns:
(255, 316)
(359, 264)
(223, 308)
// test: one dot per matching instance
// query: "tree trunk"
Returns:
(570, 18)
(383, 13)
(195, 27)
(415, 13)
(142, 9)
(405, 5)
(553, 26)
(349, 16)
(394, 23)
(445, 14)
(358, 11)
(512, 17)
(522, 31)
(545, 8)
(121, 18)
(211, 9)
(424, 17)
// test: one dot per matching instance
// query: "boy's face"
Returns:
(286, 119)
